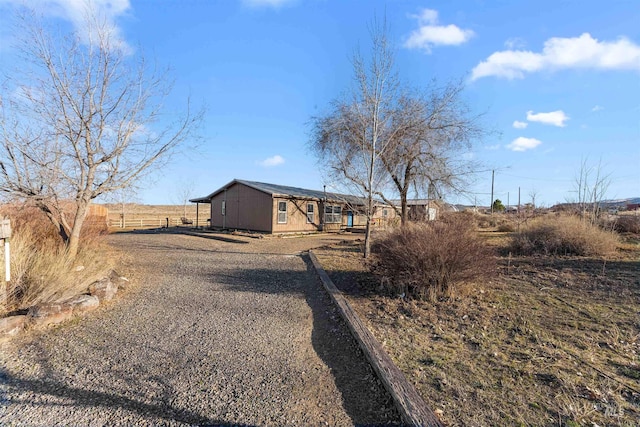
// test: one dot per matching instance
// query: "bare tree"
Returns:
(80, 120)
(349, 140)
(591, 185)
(183, 192)
(533, 194)
(383, 137)
(430, 132)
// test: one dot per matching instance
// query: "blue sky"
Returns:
(559, 81)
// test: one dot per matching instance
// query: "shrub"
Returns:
(434, 259)
(563, 235)
(506, 227)
(627, 224)
(41, 270)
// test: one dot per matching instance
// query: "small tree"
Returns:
(497, 206)
(78, 121)
(349, 140)
(183, 192)
(533, 194)
(591, 185)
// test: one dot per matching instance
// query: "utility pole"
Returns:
(518, 199)
(507, 202)
(493, 172)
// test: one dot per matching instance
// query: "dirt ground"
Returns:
(547, 342)
(212, 330)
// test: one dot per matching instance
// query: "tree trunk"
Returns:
(367, 237)
(63, 232)
(73, 244)
(367, 233)
(404, 214)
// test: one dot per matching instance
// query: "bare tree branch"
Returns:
(83, 119)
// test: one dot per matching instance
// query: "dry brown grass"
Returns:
(563, 235)
(548, 342)
(41, 270)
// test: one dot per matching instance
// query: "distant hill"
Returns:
(621, 202)
(605, 204)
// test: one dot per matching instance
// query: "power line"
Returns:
(536, 179)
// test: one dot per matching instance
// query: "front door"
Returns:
(349, 219)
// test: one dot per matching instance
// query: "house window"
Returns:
(332, 214)
(282, 212)
(385, 213)
(224, 208)
(310, 213)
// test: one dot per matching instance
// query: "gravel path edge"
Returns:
(412, 408)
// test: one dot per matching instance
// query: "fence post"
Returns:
(5, 234)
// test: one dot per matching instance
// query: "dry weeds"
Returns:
(550, 341)
(564, 235)
(41, 270)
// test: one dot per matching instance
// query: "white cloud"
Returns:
(272, 161)
(492, 147)
(515, 43)
(431, 34)
(523, 144)
(562, 53)
(267, 3)
(76, 12)
(555, 118)
(520, 125)
(597, 108)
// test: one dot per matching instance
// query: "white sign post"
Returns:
(5, 234)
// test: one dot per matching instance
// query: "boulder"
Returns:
(83, 303)
(45, 314)
(120, 281)
(104, 289)
(12, 325)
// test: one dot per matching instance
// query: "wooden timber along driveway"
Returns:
(214, 331)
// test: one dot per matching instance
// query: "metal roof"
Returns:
(276, 190)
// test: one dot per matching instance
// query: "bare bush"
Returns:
(563, 235)
(506, 228)
(627, 224)
(434, 259)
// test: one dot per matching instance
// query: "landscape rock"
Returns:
(48, 313)
(83, 303)
(104, 289)
(120, 281)
(12, 325)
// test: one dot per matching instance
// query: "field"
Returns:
(548, 341)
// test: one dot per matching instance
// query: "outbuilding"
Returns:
(272, 208)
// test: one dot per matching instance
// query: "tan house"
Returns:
(426, 209)
(271, 208)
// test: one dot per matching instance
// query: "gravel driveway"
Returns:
(215, 330)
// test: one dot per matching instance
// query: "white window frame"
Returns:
(282, 214)
(333, 214)
(311, 214)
